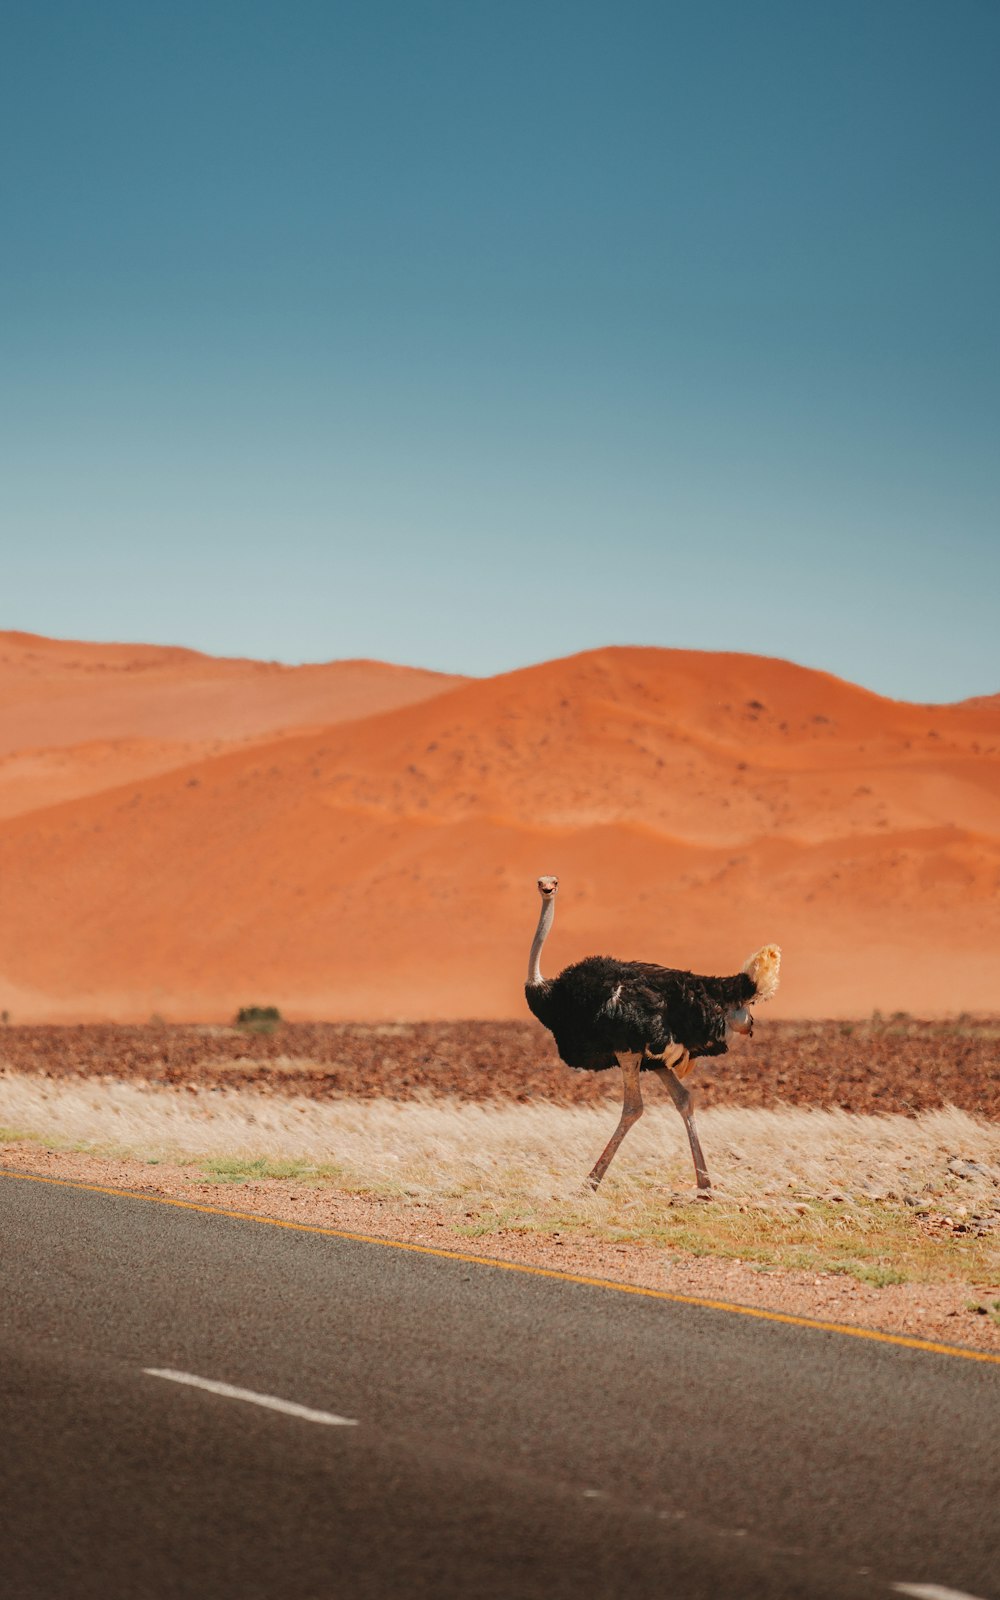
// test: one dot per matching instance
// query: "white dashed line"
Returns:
(931, 1591)
(271, 1402)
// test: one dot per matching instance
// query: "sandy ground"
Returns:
(940, 1313)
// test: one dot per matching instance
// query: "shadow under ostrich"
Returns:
(643, 1018)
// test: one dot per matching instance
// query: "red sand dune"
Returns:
(77, 718)
(694, 805)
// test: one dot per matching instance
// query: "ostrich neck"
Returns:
(534, 960)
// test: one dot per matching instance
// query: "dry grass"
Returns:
(828, 1190)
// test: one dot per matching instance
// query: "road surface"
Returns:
(481, 1432)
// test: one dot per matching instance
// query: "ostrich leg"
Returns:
(682, 1100)
(631, 1112)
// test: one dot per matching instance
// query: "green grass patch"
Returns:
(873, 1243)
(992, 1310)
(230, 1169)
(870, 1272)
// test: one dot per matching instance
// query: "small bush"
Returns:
(258, 1019)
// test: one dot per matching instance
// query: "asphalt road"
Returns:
(515, 1435)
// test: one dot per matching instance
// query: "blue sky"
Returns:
(469, 334)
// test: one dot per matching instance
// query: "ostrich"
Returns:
(645, 1018)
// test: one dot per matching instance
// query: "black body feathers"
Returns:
(601, 1008)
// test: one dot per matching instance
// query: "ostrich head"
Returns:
(547, 887)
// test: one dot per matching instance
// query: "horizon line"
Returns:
(30, 635)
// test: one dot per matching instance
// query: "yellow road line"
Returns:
(516, 1266)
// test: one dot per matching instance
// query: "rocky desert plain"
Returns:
(357, 844)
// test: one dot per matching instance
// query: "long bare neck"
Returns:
(534, 960)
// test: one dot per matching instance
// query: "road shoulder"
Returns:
(939, 1313)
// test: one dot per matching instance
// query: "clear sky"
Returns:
(468, 334)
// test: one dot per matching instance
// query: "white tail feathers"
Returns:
(763, 968)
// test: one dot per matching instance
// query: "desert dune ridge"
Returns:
(180, 835)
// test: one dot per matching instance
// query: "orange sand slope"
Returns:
(77, 718)
(694, 805)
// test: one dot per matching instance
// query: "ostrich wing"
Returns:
(664, 1005)
(601, 1008)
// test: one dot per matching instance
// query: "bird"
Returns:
(644, 1018)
